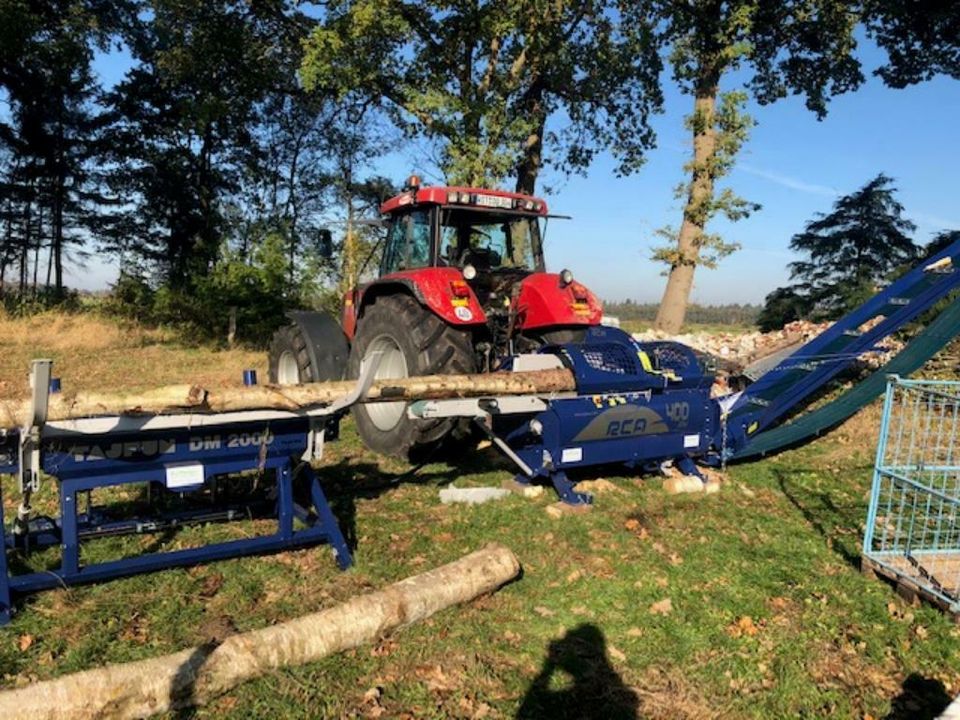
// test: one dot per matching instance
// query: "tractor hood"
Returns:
(545, 301)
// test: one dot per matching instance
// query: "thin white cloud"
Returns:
(933, 222)
(789, 182)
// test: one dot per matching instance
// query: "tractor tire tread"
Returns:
(440, 349)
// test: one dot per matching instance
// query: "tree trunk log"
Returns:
(193, 398)
(676, 295)
(200, 674)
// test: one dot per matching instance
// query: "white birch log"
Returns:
(193, 398)
(198, 675)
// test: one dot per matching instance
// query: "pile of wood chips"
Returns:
(743, 349)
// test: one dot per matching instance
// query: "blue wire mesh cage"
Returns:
(913, 525)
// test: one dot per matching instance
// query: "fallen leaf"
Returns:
(743, 626)
(383, 649)
(616, 653)
(662, 607)
(211, 584)
(25, 642)
(635, 632)
(543, 612)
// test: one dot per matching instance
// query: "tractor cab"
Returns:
(490, 231)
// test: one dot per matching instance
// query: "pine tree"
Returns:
(849, 253)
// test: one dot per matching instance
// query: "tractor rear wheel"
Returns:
(288, 357)
(412, 341)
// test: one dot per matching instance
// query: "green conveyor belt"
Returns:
(923, 347)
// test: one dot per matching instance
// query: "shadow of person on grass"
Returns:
(920, 698)
(591, 690)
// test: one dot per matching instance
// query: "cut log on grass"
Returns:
(193, 398)
(197, 675)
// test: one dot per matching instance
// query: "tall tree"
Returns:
(186, 114)
(849, 251)
(921, 38)
(53, 127)
(483, 79)
(751, 48)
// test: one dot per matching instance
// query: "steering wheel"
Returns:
(480, 258)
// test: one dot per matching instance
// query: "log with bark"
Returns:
(193, 398)
(199, 674)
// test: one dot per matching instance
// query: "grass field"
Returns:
(743, 604)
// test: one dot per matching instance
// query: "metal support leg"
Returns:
(564, 487)
(6, 606)
(688, 467)
(285, 501)
(328, 521)
(70, 547)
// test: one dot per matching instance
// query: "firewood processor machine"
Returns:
(636, 403)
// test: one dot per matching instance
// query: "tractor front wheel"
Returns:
(411, 341)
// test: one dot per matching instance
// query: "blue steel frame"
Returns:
(878, 463)
(765, 403)
(639, 404)
(83, 463)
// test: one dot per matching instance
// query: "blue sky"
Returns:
(793, 165)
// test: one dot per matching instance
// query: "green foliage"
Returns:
(40, 299)
(258, 287)
(849, 252)
(921, 39)
(783, 305)
(734, 314)
(481, 80)
(941, 241)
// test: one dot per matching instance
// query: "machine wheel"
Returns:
(289, 358)
(413, 341)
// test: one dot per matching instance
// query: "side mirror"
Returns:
(325, 243)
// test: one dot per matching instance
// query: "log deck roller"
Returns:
(636, 404)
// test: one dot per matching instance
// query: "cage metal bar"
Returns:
(913, 520)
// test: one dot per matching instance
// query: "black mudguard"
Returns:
(327, 345)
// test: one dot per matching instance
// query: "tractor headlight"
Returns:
(566, 277)
(469, 272)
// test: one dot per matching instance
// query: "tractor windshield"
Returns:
(490, 241)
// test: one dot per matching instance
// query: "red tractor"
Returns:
(462, 286)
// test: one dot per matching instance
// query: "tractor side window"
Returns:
(408, 243)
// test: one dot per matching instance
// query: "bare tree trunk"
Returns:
(532, 159)
(676, 296)
(198, 675)
(37, 248)
(193, 398)
(25, 247)
(350, 261)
